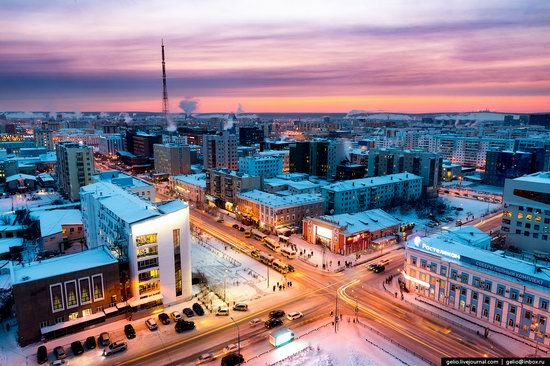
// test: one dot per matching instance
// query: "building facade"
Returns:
(262, 166)
(223, 185)
(190, 188)
(130, 183)
(172, 159)
(364, 194)
(74, 168)
(317, 158)
(44, 138)
(220, 151)
(469, 151)
(109, 145)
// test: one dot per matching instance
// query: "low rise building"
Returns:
(272, 212)
(60, 230)
(487, 286)
(110, 145)
(223, 185)
(262, 166)
(128, 182)
(351, 233)
(283, 154)
(190, 188)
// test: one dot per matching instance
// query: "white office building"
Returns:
(262, 166)
(526, 217)
(367, 193)
(109, 145)
(130, 183)
(488, 286)
(152, 237)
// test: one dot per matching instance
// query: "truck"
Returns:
(281, 337)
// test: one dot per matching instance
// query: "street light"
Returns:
(238, 336)
(224, 284)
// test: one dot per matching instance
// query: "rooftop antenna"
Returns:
(164, 91)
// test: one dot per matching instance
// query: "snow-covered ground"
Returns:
(19, 201)
(324, 347)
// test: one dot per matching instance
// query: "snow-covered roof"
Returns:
(51, 221)
(7, 243)
(540, 177)
(372, 220)
(198, 180)
(45, 177)
(70, 263)
(11, 178)
(273, 200)
(370, 182)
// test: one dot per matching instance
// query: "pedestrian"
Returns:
(338, 263)
(396, 295)
(273, 288)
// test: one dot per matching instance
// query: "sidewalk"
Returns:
(525, 346)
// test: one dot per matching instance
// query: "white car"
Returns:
(255, 322)
(176, 316)
(222, 312)
(205, 357)
(230, 348)
(151, 324)
(294, 315)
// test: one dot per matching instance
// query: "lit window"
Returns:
(520, 216)
(529, 217)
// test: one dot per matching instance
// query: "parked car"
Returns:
(294, 315)
(222, 312)
(205, 357)
(188, 312)
(241, 229)
(151, 324)
(230, 348)
(255, 322)
(220, 219)
(115, 347)
(235, 226)
(176, 316)
(197, 308)
(42, 354)
(77, 348)
(255, 254)
(233, 359)
(247, 234)
(272, 323)
(91, 342)
(240, 307)
(129, 331)
(59, 352)
(164, 318)
(58, 363)
(276, 314)
(104, 339)
(184, 325)
(290, 268)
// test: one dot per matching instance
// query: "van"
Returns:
(240, 307)
(115, 348)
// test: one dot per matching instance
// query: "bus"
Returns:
(279, 266)
(258, 235)
(272, 244)
(266, 258)
(290, 254)
(280, 337)
(284, 239)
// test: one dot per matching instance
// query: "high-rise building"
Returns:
(469, 151)
(173, 159)
(151, 238)
(109, 145)
(43, 138)
(540, 119)
(263, 166)
(502, 165)
(141, 143)
(250, 135)
(317, 158)
(526, 217)
(75, 167)
(220, 151)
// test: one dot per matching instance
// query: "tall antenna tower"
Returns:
(164, 88)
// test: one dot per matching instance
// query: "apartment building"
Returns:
(223, 185)
(262, 166)
(220, 151)
(172, 159)
(75, 167)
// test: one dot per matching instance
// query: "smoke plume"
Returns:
(240, 109)
(189, 105)
(125, 117)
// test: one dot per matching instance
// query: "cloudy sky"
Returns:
(276, 56)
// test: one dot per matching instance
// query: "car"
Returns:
(205, 357)
(42, 354)
(129, 331)
(240, 307)
(233, 359)
(230, 348)
(197, 308)
(272, 323)
(220, 220)
(164, 318)
(104, 339)
(255, 254)
(77, 348)
(188, 312)
(184, 325)
(115, 347)
(241, 229)
(235, 226)
(59, 352)
(222, 312)
(383, 262)
(459, 209)
(290, 268)
(248, 234)
(294, 315)
(151, 324)
(176, 316)
(379, 269)
(58, 363)
(276, 314)
(255, 322)
(91, 342)
(371, 266)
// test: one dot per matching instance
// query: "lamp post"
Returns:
(238, 336)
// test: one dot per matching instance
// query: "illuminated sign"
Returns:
(324, 232)
(415, 280)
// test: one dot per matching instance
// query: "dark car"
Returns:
(129, 331)
(379, 268)
(290, 268)
(197, 308)
(91, 342)
(188, 312)
(235, 226)
(42, 354)
(242, 229)
(164, 318)
(276, 314)
(371, 266)
(77, 348)
(233, 359)
(184, 325)
(272, 323)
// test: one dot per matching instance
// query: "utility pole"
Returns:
(238, 336)
(336, 315)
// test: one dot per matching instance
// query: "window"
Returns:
(56, 297)
(474, 309)
(87, 312)
(512, 309)
(527, 315)
(73, 316)
(413, 261)
(499, 304)
(44, 324)
(176, 239)
(485, 313)
(513, 294)
(544, 305)
(486, 300)
(84, 286)
(59, 319)
(520, 216)
(497, 317)
(146, 239)
(474, 295)
(542, 320)
(511, 322)
(529, 299)
(97, 283)
(443, 271)
(462, 291)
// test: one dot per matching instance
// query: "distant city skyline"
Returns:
(283, 56)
